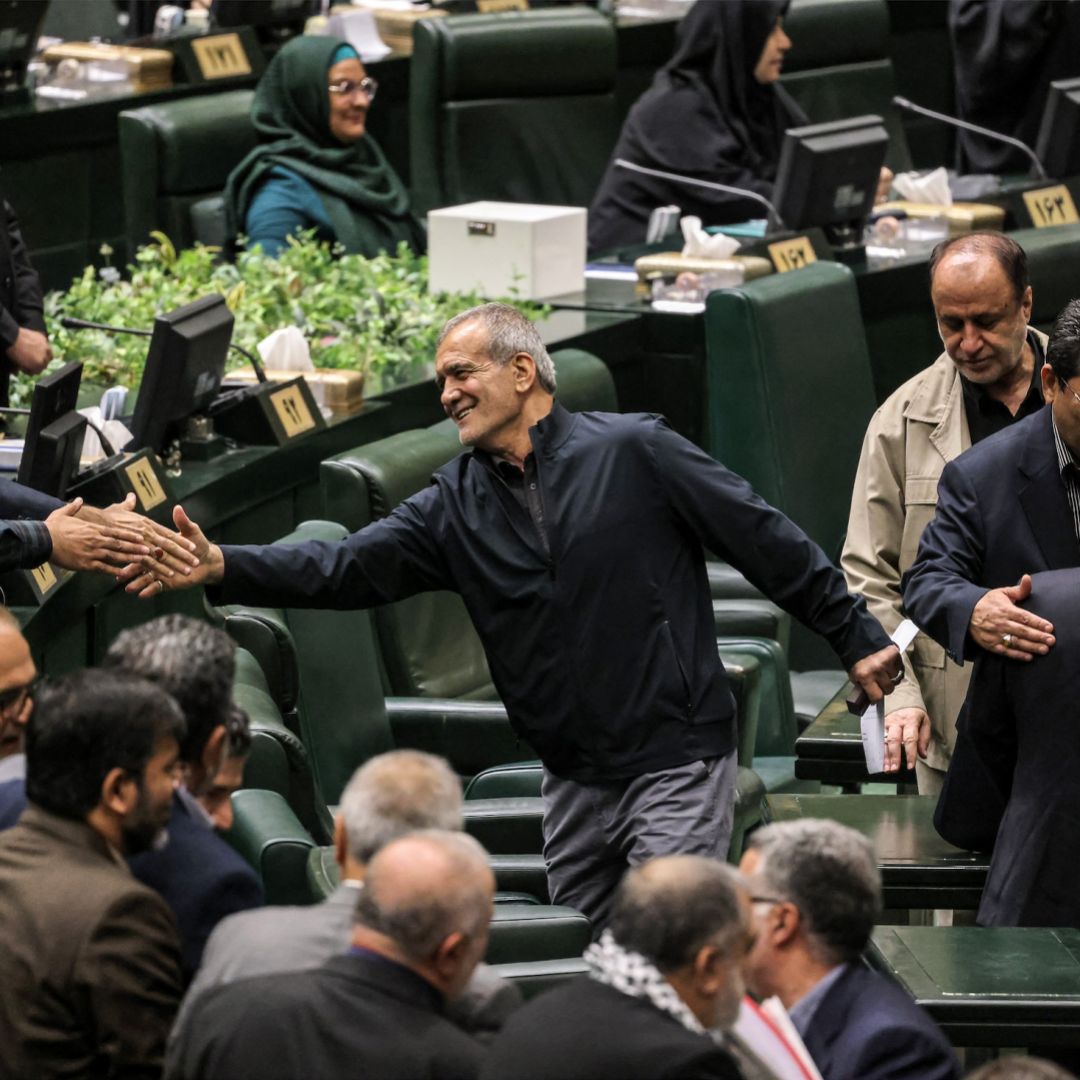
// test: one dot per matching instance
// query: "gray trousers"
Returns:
(594, 832)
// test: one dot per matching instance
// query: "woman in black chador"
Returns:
(714, 112)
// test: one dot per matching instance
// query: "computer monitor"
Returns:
(20, 28)
(274, 21)
(55, 397)
(1058, 144)
(184, 368)
(828, 177)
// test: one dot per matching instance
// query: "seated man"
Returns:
(378, 1009)
(665, 971)
(389, 796)
(200, 876)
(90, 957)
(816, 890)
(18, 678)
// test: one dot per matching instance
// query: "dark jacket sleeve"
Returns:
(904, 1053)
(939, 590)
(24, 503)
(26, 309)
(388, 560)
(24, 545)
(766, 546)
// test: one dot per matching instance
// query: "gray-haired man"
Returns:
(577, 542)
(816, 890)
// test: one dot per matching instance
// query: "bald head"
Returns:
(394, 794)
(670, 908)
(977, 249)
(424, 888)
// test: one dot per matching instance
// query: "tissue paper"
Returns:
(699, 244)
(931, 188)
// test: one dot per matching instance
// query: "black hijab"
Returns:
(705, 115)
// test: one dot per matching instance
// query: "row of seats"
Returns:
(516, 106)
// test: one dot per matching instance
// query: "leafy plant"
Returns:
(370, 315)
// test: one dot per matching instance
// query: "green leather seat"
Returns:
(269, 836)
(177, 155)
(789, 398)
(514, 106)
(839, 65)
(1054, 269)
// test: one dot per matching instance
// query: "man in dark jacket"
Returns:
(816, 891)
(22, 322)
(663, 975)
(577, 542)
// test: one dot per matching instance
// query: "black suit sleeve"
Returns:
(939, 590)
(26, 309)
(24, 503)
(764, 545)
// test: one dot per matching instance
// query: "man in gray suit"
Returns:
(391, 795)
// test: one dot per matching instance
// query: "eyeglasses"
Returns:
(1066, 386)
(348, 87)
(13, 699)
(766, 900)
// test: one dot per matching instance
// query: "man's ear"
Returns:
(524, 369)
(448, 955)
(784, 922)
(1049, 383)
(213, 752)
(710, 969)
(119, 792)
(341, 841)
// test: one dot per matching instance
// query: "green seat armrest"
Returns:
(323, 872)
(524, 873)
(525, 932)
(522, 778)
(268, 835)
(506, 826)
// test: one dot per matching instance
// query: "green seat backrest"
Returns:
(777, 728)
(1054, 268)
(790, 392)
(175, 155)
(340, 712)
(839, 65)
(514, 106)
(269, 836)
(429, 647)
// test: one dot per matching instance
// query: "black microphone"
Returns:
(952, 121)
(70, 323)
(691, 181)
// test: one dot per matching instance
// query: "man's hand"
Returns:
(151, 576)
(1001, 627)
(906, 731)
(877, 673)
(85, 545)
(30, 352)
(168, 547)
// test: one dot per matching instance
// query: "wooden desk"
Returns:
(988, 986)
(830, 749)
(918, 868)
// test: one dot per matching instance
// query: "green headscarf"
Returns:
(366, 202)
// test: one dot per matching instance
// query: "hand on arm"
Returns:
(151, 575)
(78, 544)
(996, 618)
(30, 352)
(907, 731)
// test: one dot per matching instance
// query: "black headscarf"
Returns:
(705, 115)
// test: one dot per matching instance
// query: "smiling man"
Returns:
(577, 541)
(986, 379)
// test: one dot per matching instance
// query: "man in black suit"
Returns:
(378, 1009)
(816, 890)
(200, 876)
(664, 974)
(22, 321)
(1019, 743)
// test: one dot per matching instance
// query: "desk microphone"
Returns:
(952, 121)
(70, 323)
(712, 185)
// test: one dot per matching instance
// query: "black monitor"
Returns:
(43, 462)
(20, 28)
(184, 369)
(274, 21)
(1058, 145)
(828, 177)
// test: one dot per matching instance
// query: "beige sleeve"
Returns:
(871, 558)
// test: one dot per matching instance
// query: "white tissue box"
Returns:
(507, 249)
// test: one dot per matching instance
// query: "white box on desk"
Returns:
(503, 249)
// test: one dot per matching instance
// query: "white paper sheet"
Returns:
(872, 724)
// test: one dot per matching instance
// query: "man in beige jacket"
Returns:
(986, 379)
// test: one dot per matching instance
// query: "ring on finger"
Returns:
(1007, 640)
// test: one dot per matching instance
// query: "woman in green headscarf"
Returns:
(314, 166)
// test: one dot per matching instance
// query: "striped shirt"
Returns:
(1070, 475)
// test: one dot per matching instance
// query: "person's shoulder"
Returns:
(923, 395)
(1001, 451)
(875, 1002)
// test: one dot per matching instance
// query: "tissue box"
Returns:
(503, 249)
(336, 389)
(961, 216)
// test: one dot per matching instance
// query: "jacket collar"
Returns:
(388, 977)
(66, 831)
(1042, 493)
(554, 429)
(830, 1017)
